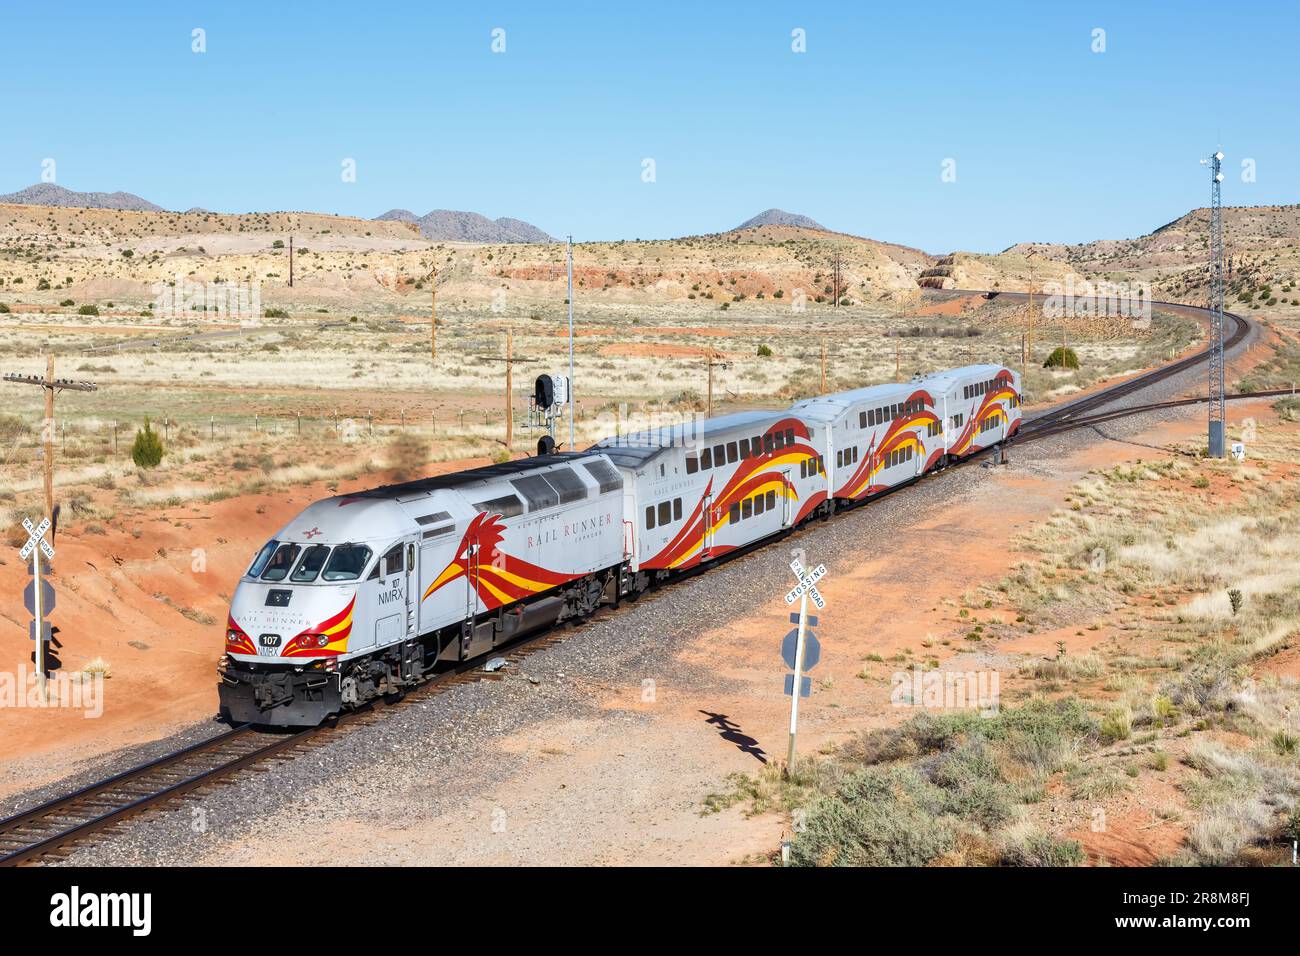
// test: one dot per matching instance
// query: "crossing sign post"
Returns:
(801, 648)
(38, 596)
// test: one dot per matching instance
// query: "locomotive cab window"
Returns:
(692, 464)
(281, 562)
(308, 569)
(649, 517)
(393, 561)
(259, 562)
(347, 562)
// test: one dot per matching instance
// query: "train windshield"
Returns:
(263, 556)
(346, 563)
(313, 559)
(281, 562)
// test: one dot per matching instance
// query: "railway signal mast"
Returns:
(1218, 403)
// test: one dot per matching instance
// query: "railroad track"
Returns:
(53, 828)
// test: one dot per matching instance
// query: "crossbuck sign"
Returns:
(40, 601)
(805, 588)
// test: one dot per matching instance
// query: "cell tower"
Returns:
(1218, 404)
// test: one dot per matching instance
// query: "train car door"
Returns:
(410, 587)
(707, 514)
(789, 502)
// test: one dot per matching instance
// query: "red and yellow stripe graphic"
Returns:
(498, 578)
(335, 629)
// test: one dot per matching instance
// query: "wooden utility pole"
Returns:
(433, 314)
(291, 262)
(510, 361)
(823, 365)
(48, 434)
(712, 359)
(510, 383)
(50, 384)
(1029, 344)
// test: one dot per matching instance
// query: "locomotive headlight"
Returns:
(233, 634)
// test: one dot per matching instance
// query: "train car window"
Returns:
(733, 513)
(665, 512)
(281, 562)
(607, 476)
(758, 504)
(747, 508)
(778, 440)
(767, 444)
(263, 556)
(568, 484)
(677, 509)
(649, 517)
(744, 448)
(803, 469)
(756, 445)
(706, 459)
(855, 455)
(839, 459)
(771, 500)
(347, 562)
(393, 561)
(789, 436)
(862, 419)
(732, 453)
(692, 464)
(309, 568)
(507, 506)
(537, 491)
(719, 456)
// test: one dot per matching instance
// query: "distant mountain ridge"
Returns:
(49, 194)
(779, 217)
(451, 225)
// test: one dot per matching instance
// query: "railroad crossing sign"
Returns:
(37, 536)
(807, 584)
(800, 648)
(38, 596)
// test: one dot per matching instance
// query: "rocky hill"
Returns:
(451, 225)
(779, 217)
(48, 194)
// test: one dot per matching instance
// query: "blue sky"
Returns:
(1051, 141)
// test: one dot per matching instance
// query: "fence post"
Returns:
(298, 415)
(115, 436)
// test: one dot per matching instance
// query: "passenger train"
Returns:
(365, 593)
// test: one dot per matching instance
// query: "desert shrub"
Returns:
(67, 303)
(147, 450)
(275, 313)
(764, 351)
(12, 427)
(1032, 847)
(4, 309)
(42, 285)
(88, 310)
(407, 455)
(1062, 357)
